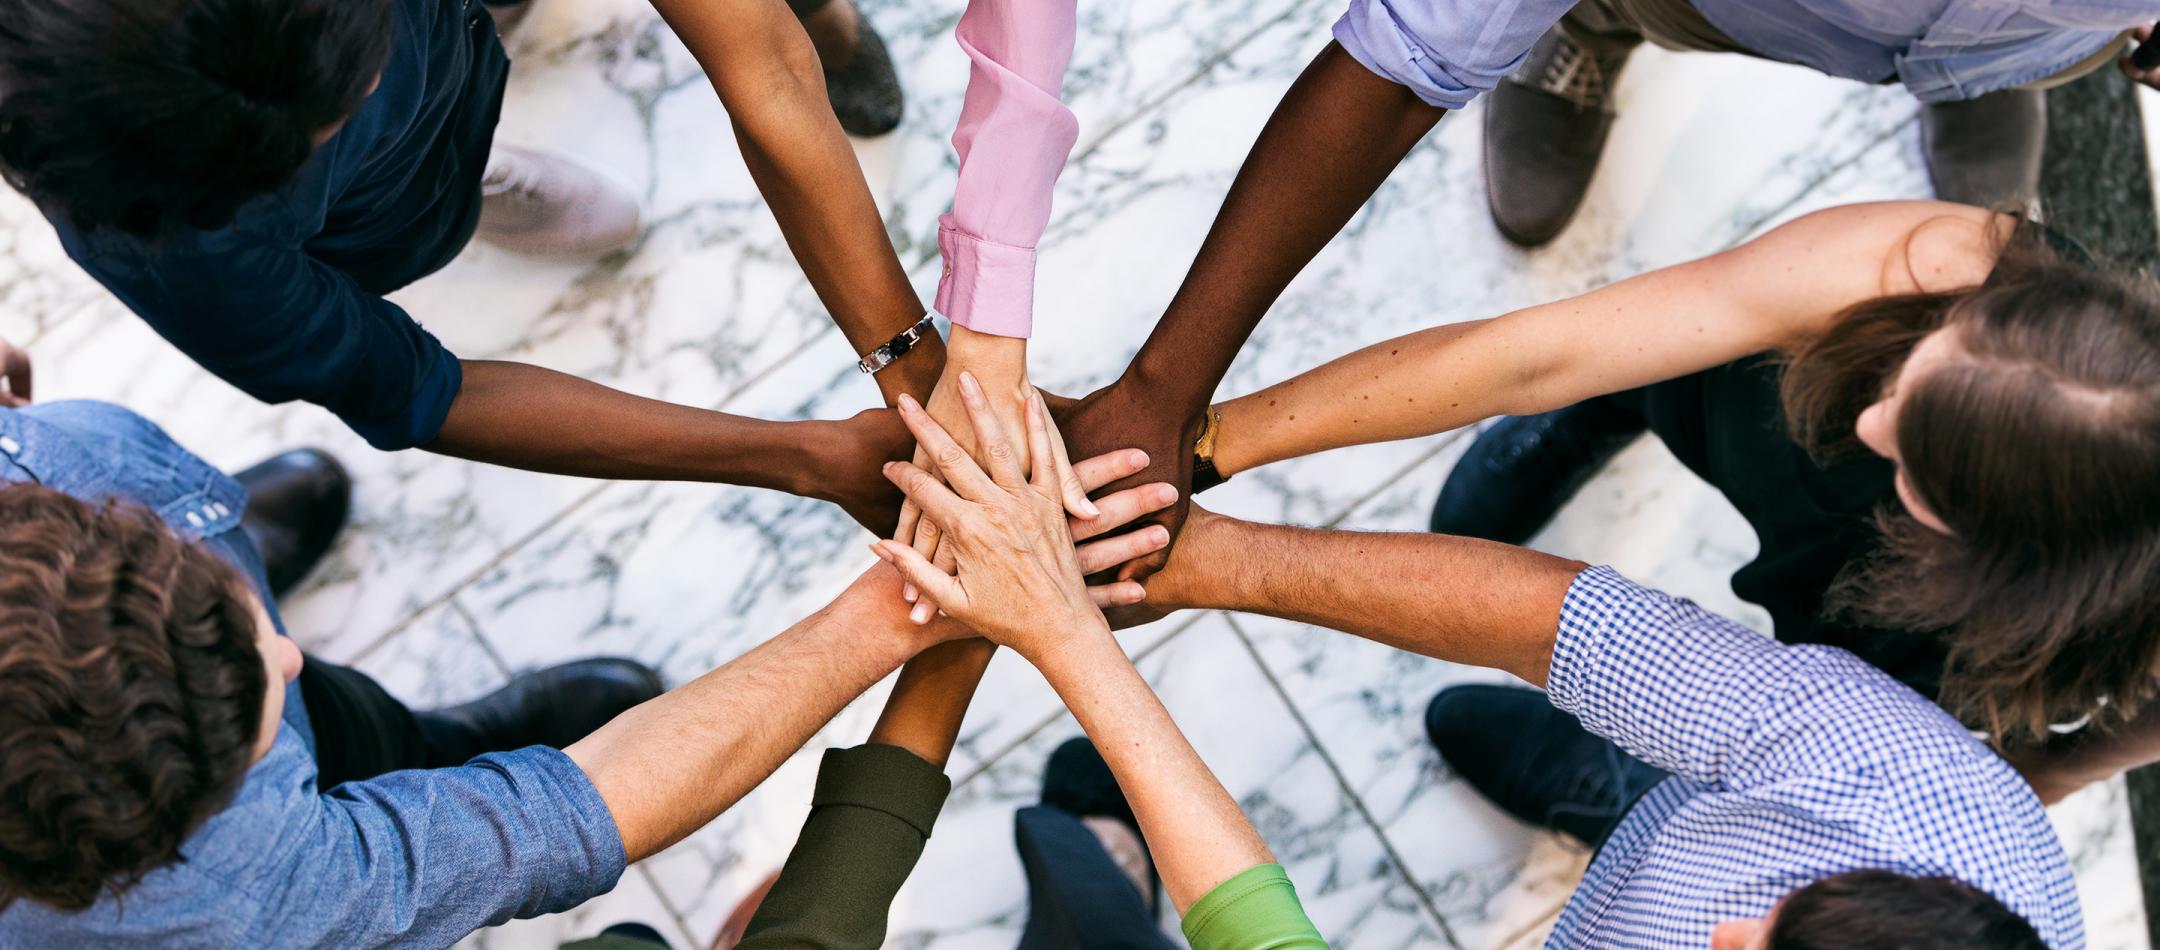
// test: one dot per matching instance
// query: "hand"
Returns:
(1116, 416)
(15, 373)
(999, 366)
(849, 459)
(2149, 77)
(1019, 582)
(1177, 585)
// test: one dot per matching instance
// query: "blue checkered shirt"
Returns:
(1790, 764)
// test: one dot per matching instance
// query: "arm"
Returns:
(1336, 136)
(1681, 688)
(1769, 293)
(875, 804)
(1020, 584)
(523, 416)
(668, 767)
(2096, 753)
(768, 76)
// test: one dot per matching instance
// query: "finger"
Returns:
(1108, 467)
(919, 572)
(1142, 568)
(928, 606)
(1074, 494)
(1117, 594)
(936, 500)
(1124, 508)
(953, 462)
(928, 537)
(992, 445)
(1042, 471)
(1117, 549)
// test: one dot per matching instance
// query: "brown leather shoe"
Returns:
(1545, 127)
(1986, 151)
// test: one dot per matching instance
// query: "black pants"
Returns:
(1077, 897)
(362, 731)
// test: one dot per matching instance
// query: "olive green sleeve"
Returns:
(1256, 910)
(869, 820)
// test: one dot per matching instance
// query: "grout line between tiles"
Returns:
(472, 622)
(1334, 768)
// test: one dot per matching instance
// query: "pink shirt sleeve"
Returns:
(1013, 138)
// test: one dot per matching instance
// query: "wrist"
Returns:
(993, 359)
(1194, 578)
(915, 374)
(1073, 647)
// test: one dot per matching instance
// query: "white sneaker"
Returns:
(549, 205)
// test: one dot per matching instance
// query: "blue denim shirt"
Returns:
(1450, 51)
(417, 858)
(286, 302)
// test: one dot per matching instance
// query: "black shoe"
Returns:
(297, 502)
(1534, 761)
(1545, 127)
(1520, 471)
(1986, 151)
(865, 94)
(552, 707)
(1079, 783)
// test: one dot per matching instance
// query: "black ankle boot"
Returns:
(1519, 472)
(552, 707)
(297, 502)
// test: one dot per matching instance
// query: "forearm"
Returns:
(668, 767)
(1462, 600)
(769, 77)
(523, 416)
(1334, 139)
(1196, 833)
(1410, 386)
(930, 700)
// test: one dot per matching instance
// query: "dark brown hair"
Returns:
(2037, 442)
(1884, 910)
(131, 693)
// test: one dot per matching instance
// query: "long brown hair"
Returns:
(2038, 444)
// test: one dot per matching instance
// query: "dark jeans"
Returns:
(362, 731)
(1077, 897)
(1536, 762)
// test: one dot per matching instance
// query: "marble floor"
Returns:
(455, 575)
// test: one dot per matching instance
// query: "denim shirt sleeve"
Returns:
(1447, 51)
(261, 314)
(426, 856)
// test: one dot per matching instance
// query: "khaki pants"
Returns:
(1613, 25)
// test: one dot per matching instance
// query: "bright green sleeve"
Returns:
(1256, 910)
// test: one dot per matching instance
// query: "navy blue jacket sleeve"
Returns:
(282, 326)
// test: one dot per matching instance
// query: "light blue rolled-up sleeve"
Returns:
(1446, 51)
(421, 858)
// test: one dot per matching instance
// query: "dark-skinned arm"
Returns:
(768, 75)
(1333, 140)
(523, 416)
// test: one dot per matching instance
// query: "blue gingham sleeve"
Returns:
(1699, 695)
(1446, 51)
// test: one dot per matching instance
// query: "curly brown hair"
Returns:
(2038, 444)
(131, 692)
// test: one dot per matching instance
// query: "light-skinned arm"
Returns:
(1019, 584)
(1463, 600)
(1767, 294)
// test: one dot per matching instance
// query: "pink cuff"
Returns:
(987, 287)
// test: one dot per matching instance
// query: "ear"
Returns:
(1745, 934)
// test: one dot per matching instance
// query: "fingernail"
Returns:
(907, 593)
(921, 613)
(1139, 458)
(908, 403)
(1166, 494)
(1160, 533)
(1089, 507)
(879, 550)
(887, 467)
(968, 385)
